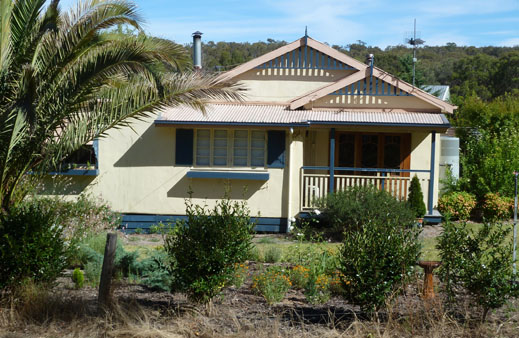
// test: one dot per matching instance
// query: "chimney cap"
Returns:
(197, 34)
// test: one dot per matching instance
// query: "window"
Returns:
(203, 146)
(257, 157)
(370, 150)
(224, 148)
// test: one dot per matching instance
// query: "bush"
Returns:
(458, 205)
(478, 262)
(299, 276)
(272, 254)
(495, 207)
(81, 217)
(355, 207)
(376, 259)
(206, 246)
(154, 271)
(415, 198)
(241, 271)
(273, 284)
(78, 278)
(317, 289)
(31, 245)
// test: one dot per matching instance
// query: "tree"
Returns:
(415, 199)
(65, 80)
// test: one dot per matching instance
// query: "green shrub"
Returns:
(317, 289)
(299, 276)
(272, 284)
(479, 262)
(376, 259)
(154, 271)
(355, 207)
(93, 272)
(78, 278)
(495, 207)
(415, 198)
(272, 254)
(31, 245)
(317, 257)
(458, 205)
(205, 247)
(241, 271)
(255, 255)
(81, 217)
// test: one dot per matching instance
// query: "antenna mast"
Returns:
(415, 42)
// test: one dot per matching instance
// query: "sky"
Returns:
(376, 22)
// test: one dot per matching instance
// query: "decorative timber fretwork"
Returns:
(305, 57)
(371, 86)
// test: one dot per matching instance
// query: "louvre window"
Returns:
(230, 148)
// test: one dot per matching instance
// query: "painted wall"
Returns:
(137, 174)
(283, 85)
(355, 101)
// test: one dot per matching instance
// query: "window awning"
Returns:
(279, 115)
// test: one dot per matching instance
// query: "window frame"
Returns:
(230, 148)
(405, 149)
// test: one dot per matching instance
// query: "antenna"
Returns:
(414, 41)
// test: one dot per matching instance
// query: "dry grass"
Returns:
(36, 312)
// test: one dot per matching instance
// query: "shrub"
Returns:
(205, 247)
(415, 198)
(78, 278)
(318, 258)
(154, 271)
(31, 245)
(458, 205)
(93, 272)
(338, 283)
(355, 207)
(495, 207)
(376, 259)
(299, 276)
(479, 262)
(82, 216)
(273, 284)
(317, 289)
(272, 254)
(255, 255)
(240, 273)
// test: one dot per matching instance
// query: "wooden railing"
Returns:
(315, 186)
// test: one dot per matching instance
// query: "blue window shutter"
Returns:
(184, 147)
(276, 149)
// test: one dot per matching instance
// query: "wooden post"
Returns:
(104, 298)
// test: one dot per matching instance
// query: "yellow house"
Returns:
(313, 121)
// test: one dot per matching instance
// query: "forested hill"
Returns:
(487, 71)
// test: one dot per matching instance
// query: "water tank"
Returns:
(450, 156)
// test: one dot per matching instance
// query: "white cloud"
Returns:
(510, 42)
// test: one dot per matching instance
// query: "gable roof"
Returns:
(283, 57)
(305, 41)
(377, 73)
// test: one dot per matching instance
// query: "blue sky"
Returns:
(376, 22)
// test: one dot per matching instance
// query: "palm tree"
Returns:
(65, 81)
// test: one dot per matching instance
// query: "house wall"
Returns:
(360, 101)
(283, 85)
(137, 174)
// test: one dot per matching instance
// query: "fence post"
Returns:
(105, 285)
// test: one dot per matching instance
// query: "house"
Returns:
(313, 121)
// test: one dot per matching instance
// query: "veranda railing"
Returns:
(315, 184)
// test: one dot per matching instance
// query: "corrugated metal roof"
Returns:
(440, 91)
(279, 115)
